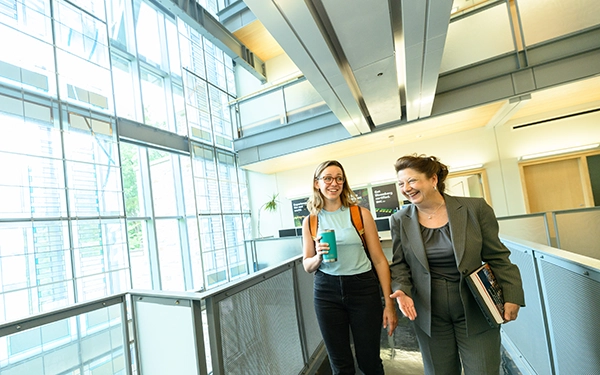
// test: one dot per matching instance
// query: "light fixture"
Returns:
(509, 108)
(465, 168)
(558, 152)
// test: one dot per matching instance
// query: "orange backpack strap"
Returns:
(357, 221)
(312, 225)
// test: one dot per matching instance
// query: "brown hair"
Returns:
(316, 202)
(428, 165)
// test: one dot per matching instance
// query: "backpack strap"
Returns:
(312, 225)
(357, 221)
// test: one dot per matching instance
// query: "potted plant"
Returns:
(269, 206)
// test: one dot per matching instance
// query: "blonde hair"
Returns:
(316, 202)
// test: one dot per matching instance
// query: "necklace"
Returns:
(433, 213)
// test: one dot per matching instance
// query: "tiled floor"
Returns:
(401, 356)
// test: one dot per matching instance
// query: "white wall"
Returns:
(497, 149)
(280, 67)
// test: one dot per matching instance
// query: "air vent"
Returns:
(556, 118)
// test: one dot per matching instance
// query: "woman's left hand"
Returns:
(511, 310)
(390, 319)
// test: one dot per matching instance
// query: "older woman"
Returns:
(437, 241)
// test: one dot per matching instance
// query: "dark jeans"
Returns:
(350, 303)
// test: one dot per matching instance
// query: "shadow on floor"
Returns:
(401, 356)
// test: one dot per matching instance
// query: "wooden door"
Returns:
(554, 185)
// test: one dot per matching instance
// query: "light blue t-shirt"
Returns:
(352, 258)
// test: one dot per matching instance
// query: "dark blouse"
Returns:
(440, 254)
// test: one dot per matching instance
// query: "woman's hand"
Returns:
(406, 304)
(390, 319)
(511, 310)
(321, 247)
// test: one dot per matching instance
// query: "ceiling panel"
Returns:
(379, 84)
(481, 36)
(259, 40)
(364, 39)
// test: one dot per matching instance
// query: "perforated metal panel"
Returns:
(311, 327)
(259, 329)
(573, 308)
(529, 327)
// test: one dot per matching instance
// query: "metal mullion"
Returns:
(197, 214)
(61, 119)
(147, 192)
(126, 339)
(226, 249)
(182, 224)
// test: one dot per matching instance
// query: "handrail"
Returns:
(266, 90)
(523, 216)
(33, 321)
(582, 260)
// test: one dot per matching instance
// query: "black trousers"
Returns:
(350, 306)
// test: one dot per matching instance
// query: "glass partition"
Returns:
(91, 342)
(532, 227)
(577, 231)
(263, 253)
(267, 109)
(303, 101)
(288, 102)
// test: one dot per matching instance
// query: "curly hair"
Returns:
(316, 202)
(428, 165)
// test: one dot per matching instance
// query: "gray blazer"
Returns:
(474, 234)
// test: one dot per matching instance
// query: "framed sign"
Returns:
(300, 211)
(363, 197)
(386, 200)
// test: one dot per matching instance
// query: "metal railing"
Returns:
(287, 102)
(265, 323)
(260, 324)
(556, 332)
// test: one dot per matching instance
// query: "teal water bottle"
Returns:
(328, 236)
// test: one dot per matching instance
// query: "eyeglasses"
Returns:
(328, 179)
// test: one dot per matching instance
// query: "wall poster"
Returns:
(386, 200)
(300, 211)
(363, 197)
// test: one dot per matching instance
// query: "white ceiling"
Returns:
(376, 63)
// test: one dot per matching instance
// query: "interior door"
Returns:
(554, 185)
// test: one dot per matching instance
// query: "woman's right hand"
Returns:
(405, 303)
(321, 247)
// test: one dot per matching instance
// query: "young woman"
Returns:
(438, 240)
(347, 294)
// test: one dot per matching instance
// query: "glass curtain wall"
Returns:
(84, 213)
